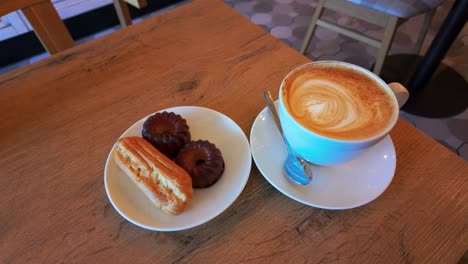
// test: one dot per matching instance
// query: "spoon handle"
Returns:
(274, 114)
(302, 163)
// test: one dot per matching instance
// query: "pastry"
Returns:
(166, 184)
(203, 162)
(166, 131)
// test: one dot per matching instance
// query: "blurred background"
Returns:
(285, 19)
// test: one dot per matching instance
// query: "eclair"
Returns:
(166, 184)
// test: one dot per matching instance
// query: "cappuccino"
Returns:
(339, 102)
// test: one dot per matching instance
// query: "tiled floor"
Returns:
(288, 21)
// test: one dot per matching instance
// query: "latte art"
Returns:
(326, 104)
(338, 102)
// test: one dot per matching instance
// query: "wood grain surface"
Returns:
(61, 116)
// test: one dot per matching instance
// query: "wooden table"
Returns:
(61, 116)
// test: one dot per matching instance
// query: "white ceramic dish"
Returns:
(207, 203)
(342, 186)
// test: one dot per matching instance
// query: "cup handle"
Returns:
(400, 92)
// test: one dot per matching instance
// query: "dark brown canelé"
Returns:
(166, 131)
(203, 162)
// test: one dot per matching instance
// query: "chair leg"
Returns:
(386, 42)
(312, 26)
(48, 26)
(422, 33)
(123, 13)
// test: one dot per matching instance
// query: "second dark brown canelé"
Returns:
(203, 162)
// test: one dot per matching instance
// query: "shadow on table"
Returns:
(445, 95)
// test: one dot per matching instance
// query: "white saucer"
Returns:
(342, 186)
(207, 203)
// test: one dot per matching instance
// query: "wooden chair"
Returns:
(385, 13)
(121, 7)
(45, 21)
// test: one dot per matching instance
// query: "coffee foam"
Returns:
(338, 102)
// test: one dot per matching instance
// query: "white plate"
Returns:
(207, 203)
(343, 186)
